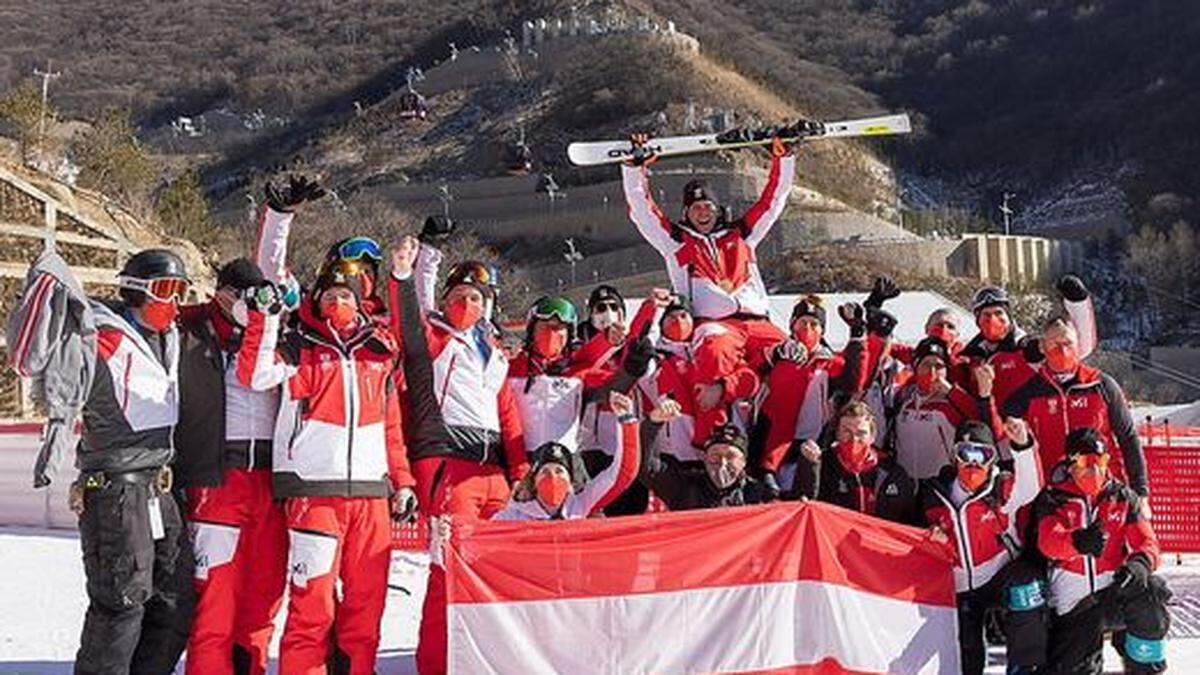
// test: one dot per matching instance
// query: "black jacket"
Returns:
(200, 432)
(886, 490)
(685, 485)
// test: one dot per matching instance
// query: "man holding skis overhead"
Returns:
(711, 260)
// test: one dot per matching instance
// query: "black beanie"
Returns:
(809, 305)
(240, 273)
(698, 190)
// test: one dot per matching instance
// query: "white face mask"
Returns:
(602, 320)
(240, 313)
(723, 475)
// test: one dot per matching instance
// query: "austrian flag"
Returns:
(783, 588)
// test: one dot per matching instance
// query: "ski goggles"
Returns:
(1089, 460)
(978, 454)
(348, 268)
(162, 289)
(357, 248)
(547, 309)
(470, 272)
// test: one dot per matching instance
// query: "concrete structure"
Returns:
(91, 233)
(1012, 260)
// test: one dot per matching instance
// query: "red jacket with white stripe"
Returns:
(338, 431)
(1061, 509)
(551, 397)
(1091, 399)
(597, 492)
(459, 405)
(799, 398)
(719, 270)
(597, 428)
(982, 528)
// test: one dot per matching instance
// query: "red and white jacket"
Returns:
(551, 397)
(719, 270)
(799, 399)
(1060, 510)
(597, 492)
(338, 431)
(673, 378)
(1007, 357)
(923, 427)
(1090, 399)
(458, 403)
(597, 429)
(982, 527)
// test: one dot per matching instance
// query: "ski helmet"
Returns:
(931, 346)
(989, 296)
(471, 273)
(605, 293)
(547, 308)
(145, 266)
(1084, 441)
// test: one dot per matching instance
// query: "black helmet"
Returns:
(147, 265)
(603, 293)
(240, 274)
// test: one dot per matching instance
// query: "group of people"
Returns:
(265, 440)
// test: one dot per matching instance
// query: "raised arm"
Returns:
(259, 363)
(275, 223)
(429, 261)
(1077, 302)
(649, 219)
(612, 481)
(762, 216)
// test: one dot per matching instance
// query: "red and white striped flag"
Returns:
(784, 588)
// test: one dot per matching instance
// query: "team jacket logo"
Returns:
(1077, 403)
(1052, 405)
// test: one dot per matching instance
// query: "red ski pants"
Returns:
(335, 538)
(240, 544)
(727, 344)
(463, 490)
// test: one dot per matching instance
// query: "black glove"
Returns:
(884, 289)
(789, 350)
(404, 506)
(1072, 289)
(638, 356)
(1134, 575)
(738, 135)
(641, 154)
(1089, 540)
(1031, 349)
(436, 228)
(855, 317)
(880, 322)
(771, 486)
(298, 191)
(265, 298)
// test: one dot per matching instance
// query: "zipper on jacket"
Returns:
(1089, 563)
(351, 418)
(965, 545)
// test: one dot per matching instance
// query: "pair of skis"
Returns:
(610, 152)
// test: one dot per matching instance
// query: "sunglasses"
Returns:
(358, 248)
(979, 454)
(162, 289)
(607, 305)
(554, 308)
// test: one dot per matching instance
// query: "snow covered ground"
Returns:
(42, 603)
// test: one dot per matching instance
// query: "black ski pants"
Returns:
(1077, 638)
(139, 588)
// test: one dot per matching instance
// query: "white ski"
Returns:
(610, 152)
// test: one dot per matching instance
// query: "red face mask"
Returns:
(1062, 358)
(943, 333)
(926, 379)
(158, 316)
(972, 476)
(548, 342)
(462, 314)
(1090, 474)
(552, 491)
(855, 455)
(993, 326)
(809, 336)
(339, 314)
(677, 327)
